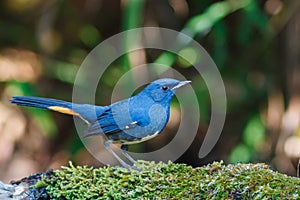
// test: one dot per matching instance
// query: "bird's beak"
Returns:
(180, 84)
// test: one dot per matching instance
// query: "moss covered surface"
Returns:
(171, 181)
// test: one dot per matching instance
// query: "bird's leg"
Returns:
(107, 146)
(124, 149)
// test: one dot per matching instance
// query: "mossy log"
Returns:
(163, 181)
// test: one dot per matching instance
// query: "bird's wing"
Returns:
(107, 124)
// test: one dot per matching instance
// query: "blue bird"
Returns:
(133, 120)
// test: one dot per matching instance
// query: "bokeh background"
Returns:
(255, 44)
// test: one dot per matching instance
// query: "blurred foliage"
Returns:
(43, 44)
(252, 138)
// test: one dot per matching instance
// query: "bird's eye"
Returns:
(164, 88)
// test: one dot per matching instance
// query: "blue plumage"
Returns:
(39, 102)
(129, 121)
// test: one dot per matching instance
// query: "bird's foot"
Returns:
(130, 167)
(135, 168)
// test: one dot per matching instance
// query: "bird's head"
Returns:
(162, 90)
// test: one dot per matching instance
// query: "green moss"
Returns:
(172, 181)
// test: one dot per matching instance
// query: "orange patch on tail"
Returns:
(63, 110)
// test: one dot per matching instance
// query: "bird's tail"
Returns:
(45, 103)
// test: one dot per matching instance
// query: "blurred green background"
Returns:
(255, 44)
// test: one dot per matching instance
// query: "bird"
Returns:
(129, 121)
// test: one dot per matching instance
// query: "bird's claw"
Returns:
(131, 167)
